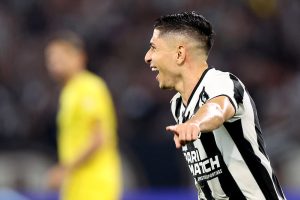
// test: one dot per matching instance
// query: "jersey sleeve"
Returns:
(226, 84)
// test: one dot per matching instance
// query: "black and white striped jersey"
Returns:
(230, 162)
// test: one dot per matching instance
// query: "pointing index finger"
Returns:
(171, 128)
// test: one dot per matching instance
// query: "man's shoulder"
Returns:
(217, 73)
(85, 84)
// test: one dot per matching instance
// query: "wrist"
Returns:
(197, 125)
(70, 167)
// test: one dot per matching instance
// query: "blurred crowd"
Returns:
(257, 40)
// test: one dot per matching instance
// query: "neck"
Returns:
(72, 74)
(189, 80)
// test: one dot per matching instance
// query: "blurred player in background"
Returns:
(217, 125)
(89, 163)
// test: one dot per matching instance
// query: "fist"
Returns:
(184, 133)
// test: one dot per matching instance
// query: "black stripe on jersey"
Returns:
(253, 162)
(238, 89)
(261, 144)
(197, 106)
(178, 105)
(227, 182)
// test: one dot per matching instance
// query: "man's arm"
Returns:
(57, 174)
(95, 142)
(208, 118)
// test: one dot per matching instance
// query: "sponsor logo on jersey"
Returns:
(203, 95)
(205, 169)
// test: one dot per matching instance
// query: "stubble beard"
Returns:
(165, 87)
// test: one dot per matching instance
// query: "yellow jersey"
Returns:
(85, 100)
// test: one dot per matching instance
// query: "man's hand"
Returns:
(56, 175)
(208, 118)
(184, 133)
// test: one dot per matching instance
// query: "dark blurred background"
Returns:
(257, 40)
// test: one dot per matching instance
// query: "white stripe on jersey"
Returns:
(230, 162)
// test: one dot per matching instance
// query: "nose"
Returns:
(148, 57)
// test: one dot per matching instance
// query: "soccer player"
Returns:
(217, 125)
(89, 163)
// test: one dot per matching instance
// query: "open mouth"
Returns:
(155, 69)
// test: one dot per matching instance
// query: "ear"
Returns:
(181, 55)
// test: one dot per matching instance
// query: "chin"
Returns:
(165, 87)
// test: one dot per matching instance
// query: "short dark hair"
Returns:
(69, 37)
(190, 23)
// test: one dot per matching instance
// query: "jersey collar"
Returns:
(196, 86)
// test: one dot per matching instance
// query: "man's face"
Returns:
(61, 59)
(162, 59)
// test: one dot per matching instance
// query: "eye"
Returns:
(152, 47)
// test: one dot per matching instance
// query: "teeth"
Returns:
(154, 69)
